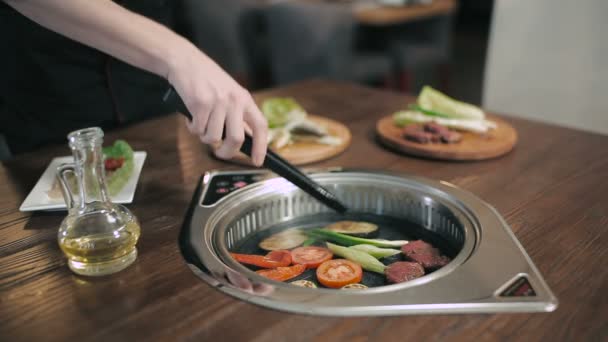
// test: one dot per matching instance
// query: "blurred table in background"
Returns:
(417, 35)
(373, 13)
(378, 44)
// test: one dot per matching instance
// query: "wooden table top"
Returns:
(552, 190)
(391, 15)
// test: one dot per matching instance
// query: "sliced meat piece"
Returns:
(445, 134)
(419, 137)
(434, 127)
(425, 254)
(413, 128)
(436, 138)
(431, 261)
(402, 271)
(417, 134)
(451, 137)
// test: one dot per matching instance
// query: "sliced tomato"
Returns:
(311, 256)
(278, 258)
(112, 164)
(339, 272)
(282, 273)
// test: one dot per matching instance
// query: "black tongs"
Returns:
(278, 165)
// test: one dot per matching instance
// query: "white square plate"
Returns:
(38, 198)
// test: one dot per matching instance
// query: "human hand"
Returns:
(243, 283)
(215, 101)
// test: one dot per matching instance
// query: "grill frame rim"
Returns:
(545, 301)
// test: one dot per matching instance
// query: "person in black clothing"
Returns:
(69, 64)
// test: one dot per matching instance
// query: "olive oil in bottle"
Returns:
(98, 253)
(98, 236)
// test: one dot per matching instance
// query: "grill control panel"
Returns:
(222, 184)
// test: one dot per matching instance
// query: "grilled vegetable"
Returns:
(354, 228)
(278, 258)
(282, 273)
(366, 261)
(304, 283)
(433, 100)
(310, 241)
(287, 239)
(311, 256)
(338, 273)
(347, 240)
(354, 287)
(376, 252)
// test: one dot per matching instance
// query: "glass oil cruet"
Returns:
(97, 236)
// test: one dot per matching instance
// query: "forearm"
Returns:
(216, 101)
(110, 28)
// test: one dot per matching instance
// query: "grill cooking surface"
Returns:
(389, 229)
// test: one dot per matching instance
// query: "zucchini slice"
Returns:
(356, 286)
(304, 283)
(354, 228)
(287, 239)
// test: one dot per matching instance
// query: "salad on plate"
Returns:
(289, 123)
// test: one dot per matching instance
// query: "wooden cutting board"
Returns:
(473, 146)
(301, 153)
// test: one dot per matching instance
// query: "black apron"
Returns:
(51, 85)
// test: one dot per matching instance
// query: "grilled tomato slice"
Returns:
(338, 273)
(311, 256)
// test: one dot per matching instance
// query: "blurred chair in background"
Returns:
(306, 40)
(416, 45)
(548, 60)
(267, 44)
(253, 35)
(422, 44)
(5, 153)
(214, 28)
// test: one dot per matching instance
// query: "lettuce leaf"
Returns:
(436, 102)
(405, 117)
(276, 110)
(120, 149)
(117, 179)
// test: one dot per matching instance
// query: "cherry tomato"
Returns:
(310, 256)
(339, 272)
(112, 164)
